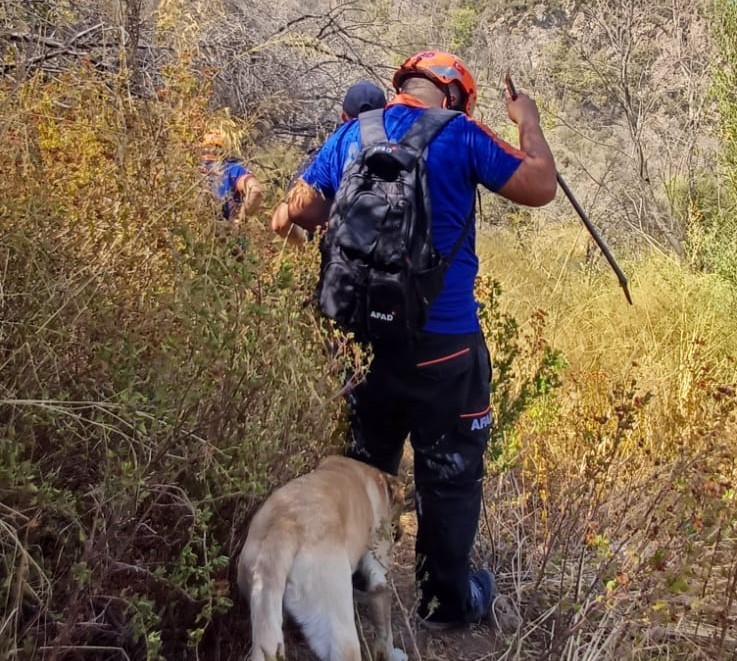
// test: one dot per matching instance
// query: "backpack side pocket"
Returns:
(341, 292)
(390, 313)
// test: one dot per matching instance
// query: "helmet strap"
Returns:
(448, 98)
(460, 102)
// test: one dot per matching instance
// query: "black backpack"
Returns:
(380, 271)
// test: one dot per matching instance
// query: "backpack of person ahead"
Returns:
(380, 270)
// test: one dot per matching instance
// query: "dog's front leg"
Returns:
(380, 607)
(374, 566)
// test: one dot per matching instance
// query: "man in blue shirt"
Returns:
(359, 97)
(437, 390)
(233, 184)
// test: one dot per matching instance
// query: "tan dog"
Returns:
(304, 544)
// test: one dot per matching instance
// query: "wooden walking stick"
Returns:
(582, 214)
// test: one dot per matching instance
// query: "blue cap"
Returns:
(362, 96)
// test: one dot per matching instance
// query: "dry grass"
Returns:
(589, 320)
(615, 528)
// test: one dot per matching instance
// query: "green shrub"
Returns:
(712, 222)
(160, 376)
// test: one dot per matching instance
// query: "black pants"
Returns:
(437, 391)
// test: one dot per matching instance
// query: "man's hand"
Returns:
(252, 193)
(522, 110)
(534, 182)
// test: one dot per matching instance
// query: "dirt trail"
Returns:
(471, 644)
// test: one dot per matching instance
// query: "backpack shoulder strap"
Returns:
(462, 236)
(427, 126)
(371, 123)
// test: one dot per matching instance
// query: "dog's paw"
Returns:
(397, 655)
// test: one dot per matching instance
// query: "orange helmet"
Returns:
(442, 68)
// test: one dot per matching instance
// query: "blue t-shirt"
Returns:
(464, 154)
(223, 177)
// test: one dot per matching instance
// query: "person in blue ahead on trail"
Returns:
(237, 189)
(437, 389)
(361, 96)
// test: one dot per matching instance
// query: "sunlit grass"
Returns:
(679, 317)
(615, 528)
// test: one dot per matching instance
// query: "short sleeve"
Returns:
(494, 160)
(235, 171)
(326, 169)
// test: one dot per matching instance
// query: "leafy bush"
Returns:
(160, 375)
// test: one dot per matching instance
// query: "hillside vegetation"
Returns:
(161, 374)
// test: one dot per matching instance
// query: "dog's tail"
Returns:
(262, 579)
